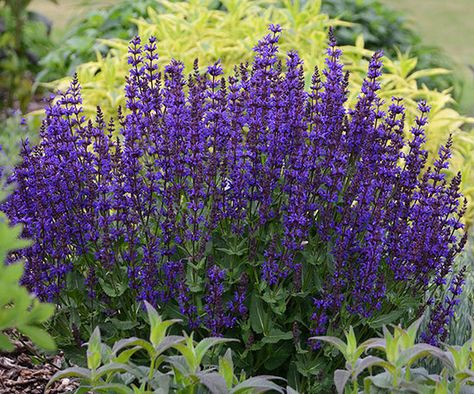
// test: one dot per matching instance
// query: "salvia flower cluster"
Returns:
(208, 191)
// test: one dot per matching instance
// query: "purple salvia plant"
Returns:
(210, 196)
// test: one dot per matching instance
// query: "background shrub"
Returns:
(384, 28)
(394, 364)
(82, 41)
(24, 40)
(381, 27)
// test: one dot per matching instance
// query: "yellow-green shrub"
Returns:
(192, 29)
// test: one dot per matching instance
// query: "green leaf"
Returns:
(125, 355)
(38, 336)
(351, 342)
(133, 342)
(158, 327)
(168, 342)
(226, 368)
(382, 381)
(214, 382)
(389, 318)
(258, 316)
(188, 353)
(410, 355)
(94, 350)
(115, 290)
(366, 362)
(277, 335)
(290, 390)
(40, 312)
(203, 346)
(10, 238)
(336, 342)
(13, 272)
(123, 325)
(258, 384)
(5, 344)
(278, 354)
(115, 388)
(113, 368)
(75, 372)
(310, 367)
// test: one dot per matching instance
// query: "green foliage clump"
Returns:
(394, 367)
(381, 26)
(174, 364)
(81, 42)
(385, 28)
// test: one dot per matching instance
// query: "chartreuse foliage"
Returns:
(175, 364)
(196, 29)
(392, 366)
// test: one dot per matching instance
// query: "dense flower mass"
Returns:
(210, 194)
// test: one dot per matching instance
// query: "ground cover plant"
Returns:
(113, 370)
(243, 205)
(394, 363)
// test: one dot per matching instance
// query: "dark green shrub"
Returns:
(24, 41)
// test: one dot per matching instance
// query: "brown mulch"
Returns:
(19, 374)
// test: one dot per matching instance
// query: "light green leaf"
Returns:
(38, 336)
(94, 353)
(226, 368)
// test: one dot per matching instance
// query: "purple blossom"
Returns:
(295, 181)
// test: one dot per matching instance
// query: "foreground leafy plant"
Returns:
(242, 205)
(19, 309)
(111, 370)
(400, 353)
